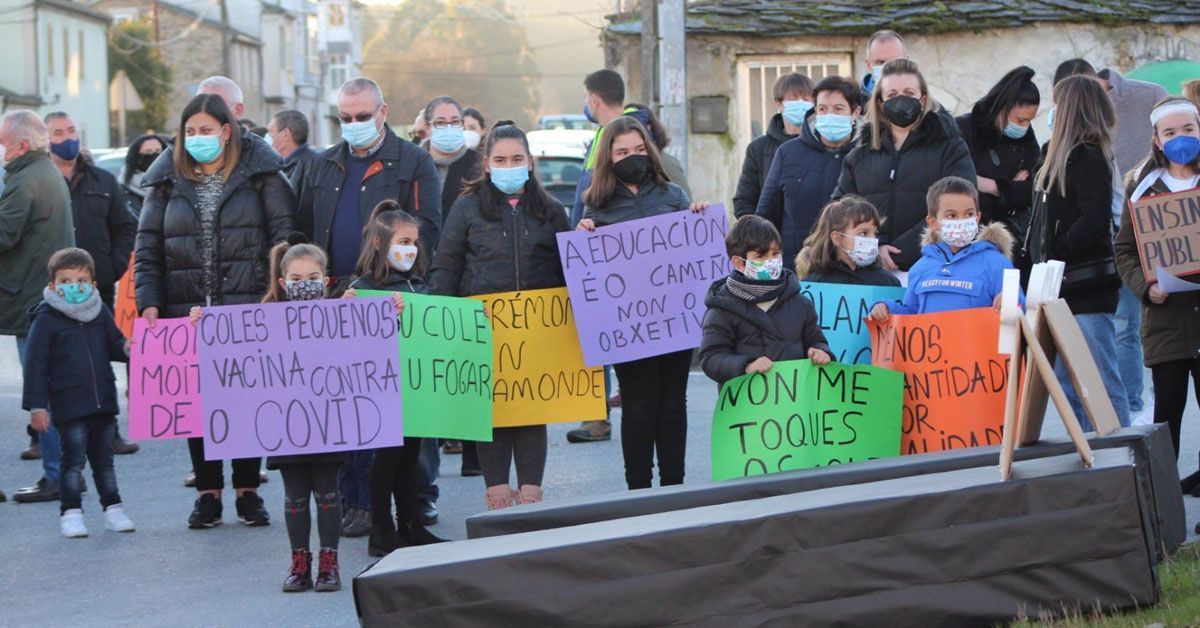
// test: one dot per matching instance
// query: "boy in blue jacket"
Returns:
(962, 264)
(69, 380)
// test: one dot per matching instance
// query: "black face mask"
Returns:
(902, 111)
(633, 169)
(145, 159)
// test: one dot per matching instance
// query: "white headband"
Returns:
(1171, 108)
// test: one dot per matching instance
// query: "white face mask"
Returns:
(958, 233)
(472, 139)
(865, 250)
(402, 256)
(3, 151)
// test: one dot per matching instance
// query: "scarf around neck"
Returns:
(83, 312)
(753, 290)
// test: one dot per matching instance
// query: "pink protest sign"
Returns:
(164, 381)
(299, 378)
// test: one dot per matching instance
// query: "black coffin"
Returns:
(959, 548)
(1151, 446)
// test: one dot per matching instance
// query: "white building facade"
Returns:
(57, 61)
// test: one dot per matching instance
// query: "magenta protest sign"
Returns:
(637, 288)
(164, 381)
(303, 377)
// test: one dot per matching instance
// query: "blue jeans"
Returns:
(1129, 347)
(355, 479)
(1099, 330)
(90, 437)
(49, 440)
(428, 466)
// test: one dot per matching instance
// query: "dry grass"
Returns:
(1179, 606)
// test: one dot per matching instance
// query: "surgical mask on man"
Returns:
(360, 134)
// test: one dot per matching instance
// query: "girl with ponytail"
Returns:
(392, 258)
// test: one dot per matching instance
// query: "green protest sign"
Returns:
(446, 361)
(799, 416)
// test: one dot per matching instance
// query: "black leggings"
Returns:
(210, 474)
(1170, 393)
(654, 417)
(394, 476)
(319, 479)
(525, 446)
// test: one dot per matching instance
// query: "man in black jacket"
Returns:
(882, 46)
(793, 101)
(369, 165)
(287, 133)
(104, 227)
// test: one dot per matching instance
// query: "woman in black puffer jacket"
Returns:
(500, 236)
(217, 206)
(906, 145)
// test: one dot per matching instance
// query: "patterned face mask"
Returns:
(768, 270)
(305, 289)
(958, 233)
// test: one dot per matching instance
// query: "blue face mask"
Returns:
(510, 180)
(447, 140)
(1182, 149)
(795, 110)
(360, 134)
(834, 127)
(67, 150)
(75, 293)
(587, 113)
(1050, 118)
(203, 148)
(1014, 131)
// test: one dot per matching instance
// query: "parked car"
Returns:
(110, 159)
(558, 159)
(565, 122)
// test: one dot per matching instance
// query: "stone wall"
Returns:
(960, 68)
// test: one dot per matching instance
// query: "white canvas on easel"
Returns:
(1052, 331)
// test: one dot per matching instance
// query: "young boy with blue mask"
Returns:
(69, 380)
(962, 264)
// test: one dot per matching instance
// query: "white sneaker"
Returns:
(71, 524)
(1145, 416)
(115, 519)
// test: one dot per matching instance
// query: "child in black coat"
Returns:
(392, 259)
(69, 380)
(756, 316)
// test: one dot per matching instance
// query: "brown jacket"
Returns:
(1170, 331)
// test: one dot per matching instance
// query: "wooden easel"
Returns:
(1047, 329)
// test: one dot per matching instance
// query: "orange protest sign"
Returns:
(125, 305)
(954, 380)
(1167, 229)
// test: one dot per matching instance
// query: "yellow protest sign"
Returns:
(539, 375)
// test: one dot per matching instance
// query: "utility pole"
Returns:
(154, 17)
(226, 42)
(672, 75)
(649, 51)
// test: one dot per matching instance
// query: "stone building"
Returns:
(736, 49)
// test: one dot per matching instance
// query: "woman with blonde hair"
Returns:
(906, 145)
(1071, 221)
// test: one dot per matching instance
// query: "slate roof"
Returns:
(863, 17)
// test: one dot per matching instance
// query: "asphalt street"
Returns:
(167, 575)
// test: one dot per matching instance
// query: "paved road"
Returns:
(167, 575)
